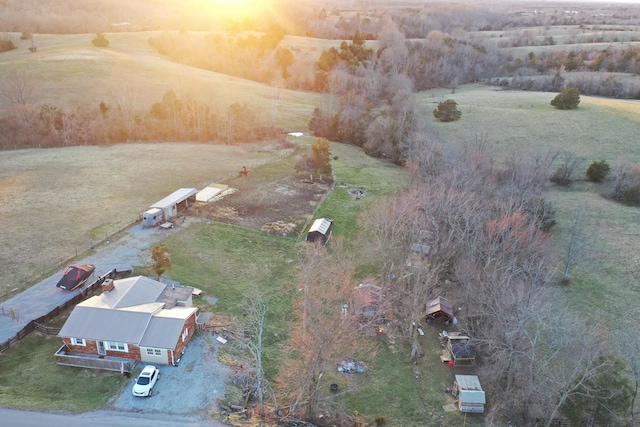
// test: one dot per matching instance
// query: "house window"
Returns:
(78, 341)
(154, 352)
(117, 346)
(185, 334)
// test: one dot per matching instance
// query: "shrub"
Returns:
(568, 99)
(447, 111)
(100, 40)
(598, 171)
(626, 188)
(561, 176)
(381, 420)
(6, 44)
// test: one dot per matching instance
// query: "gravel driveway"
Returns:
(191, 388)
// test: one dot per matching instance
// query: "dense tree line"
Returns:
(170, 119)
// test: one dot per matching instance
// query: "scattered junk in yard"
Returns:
(357, 193)
(281, 228)
(367, 301)
(334, 387)
(470, 395)
(320, 230)
(439, 309)
(351, 366)
(457, 348)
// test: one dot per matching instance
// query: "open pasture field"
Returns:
(601, 128)
(562, 36)
(68, 71)
(521, 121)
(56, 203)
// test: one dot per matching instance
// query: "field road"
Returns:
(133, 249)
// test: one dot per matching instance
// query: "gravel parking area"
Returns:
(191, 388)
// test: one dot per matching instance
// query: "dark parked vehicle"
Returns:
(75, 276)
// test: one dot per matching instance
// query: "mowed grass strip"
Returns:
(353, 170)
(226, 262)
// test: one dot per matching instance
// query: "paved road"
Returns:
(132, 249)
(16, 418)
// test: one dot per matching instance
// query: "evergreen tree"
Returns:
(447, 111)
(568, 99)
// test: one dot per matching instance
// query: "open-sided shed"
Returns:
(169, 205)
(460, 349)
(470, 395)
(320, 230)
(440, 309)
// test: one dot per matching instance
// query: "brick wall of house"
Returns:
(190, 325)
(92, 348)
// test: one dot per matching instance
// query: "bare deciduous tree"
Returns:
(17, 89)
(251, 338)
(321, 333)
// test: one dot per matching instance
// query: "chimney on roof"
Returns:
(107, 285)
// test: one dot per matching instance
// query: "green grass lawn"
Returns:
(30, 378)
(406, 394)
(604, 283)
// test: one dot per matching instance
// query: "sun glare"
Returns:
(237, 8)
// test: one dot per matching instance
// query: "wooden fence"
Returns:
(39, 323)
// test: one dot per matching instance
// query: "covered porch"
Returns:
(94, 361)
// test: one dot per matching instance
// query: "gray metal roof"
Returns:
(164, 331)
(133, 291)
(104, 324)
(468, 382)
(138, 310)
(174, 198)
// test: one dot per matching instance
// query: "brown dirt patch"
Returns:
(281, 204)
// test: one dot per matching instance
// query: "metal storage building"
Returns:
(169, 205)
